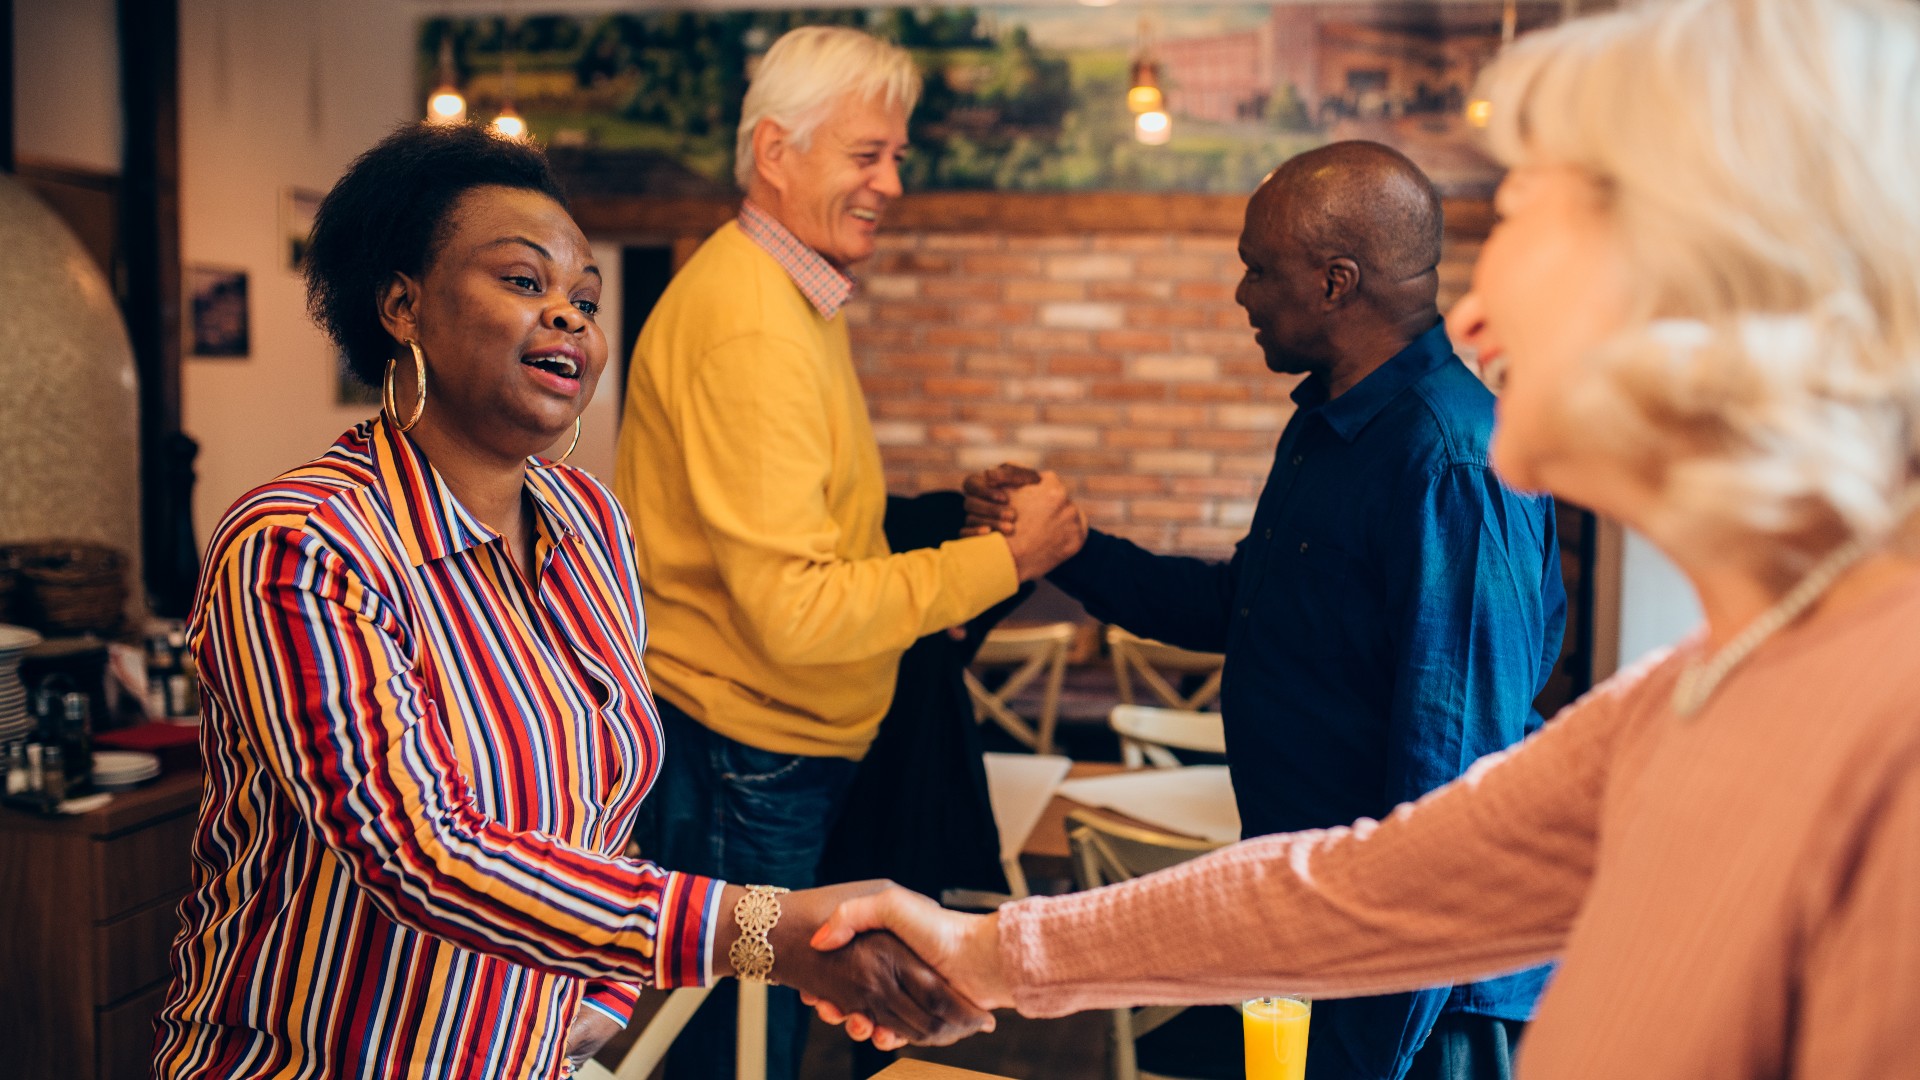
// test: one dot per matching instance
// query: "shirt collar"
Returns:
(1353, 410)
(431, 521)
(826, 286)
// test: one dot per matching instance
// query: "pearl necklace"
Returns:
(1701, 678)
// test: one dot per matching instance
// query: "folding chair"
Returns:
(1152, 661)
(1104, 852)
(1032, 651)
(1148, 734)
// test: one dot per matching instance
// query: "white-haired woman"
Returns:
(1706, 282)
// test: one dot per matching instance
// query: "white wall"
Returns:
(66, 83)
(276, 93)
(1657, 604)
(272, 93)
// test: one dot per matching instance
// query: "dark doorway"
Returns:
(644, 273)
(1579, 541)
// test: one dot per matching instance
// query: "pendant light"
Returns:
(1148, 103)
(446, 105)
(508, 124)
(1480, 110)
(1153, 128)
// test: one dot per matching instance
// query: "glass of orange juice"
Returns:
(1276, 1037)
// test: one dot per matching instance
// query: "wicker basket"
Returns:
(70, 586)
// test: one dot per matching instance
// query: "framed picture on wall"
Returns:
(217, 312)
(297, 209)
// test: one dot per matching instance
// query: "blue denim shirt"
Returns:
(1389, 619)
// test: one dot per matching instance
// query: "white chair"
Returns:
(1152, 661)
(1104, 852)
(1032, 652)
(1149, 734)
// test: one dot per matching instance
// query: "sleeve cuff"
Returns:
(613, 1000)
(689, 919)
(1083, 569)
(980, 571)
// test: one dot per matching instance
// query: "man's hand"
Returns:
(963, 948)
(988, 509)
(1050, 530)
(874, 977)
(590, 1031)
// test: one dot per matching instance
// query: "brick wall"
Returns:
(1118, 359)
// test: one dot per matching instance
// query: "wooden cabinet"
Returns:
(87, 914)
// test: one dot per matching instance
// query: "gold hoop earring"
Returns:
(563, 457)
(419, 388)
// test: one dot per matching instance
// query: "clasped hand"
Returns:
(964, 949)
(1042, 525)
(868, 973)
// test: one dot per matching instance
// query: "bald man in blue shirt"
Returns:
(1394, 609)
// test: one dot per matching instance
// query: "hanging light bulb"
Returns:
(1144, 95)
(1153, 128)
(508, 124)
(1143, 85)
(446, 105)
(1480, 110)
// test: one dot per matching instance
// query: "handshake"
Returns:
(889, 964)
(1031, 509)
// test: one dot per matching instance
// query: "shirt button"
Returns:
(1244, 612)
(1267, 535)
(1303, 548)
(1298, 458)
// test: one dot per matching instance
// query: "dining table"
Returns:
(1044, 853)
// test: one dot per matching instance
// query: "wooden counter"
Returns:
(86, 920)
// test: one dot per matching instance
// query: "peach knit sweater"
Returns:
(1732, 895)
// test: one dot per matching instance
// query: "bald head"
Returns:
(1342, 255)
(1365, 202)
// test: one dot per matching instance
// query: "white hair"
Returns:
(1761, 159)
(810, 68)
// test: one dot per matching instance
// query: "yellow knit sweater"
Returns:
(776, 613)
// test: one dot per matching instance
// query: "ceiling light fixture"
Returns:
(1153, 128)
(1145, 99)
(446, 105)
(507, 124)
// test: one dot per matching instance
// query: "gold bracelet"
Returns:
(757, 912)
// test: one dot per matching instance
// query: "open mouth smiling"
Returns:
(559, 364)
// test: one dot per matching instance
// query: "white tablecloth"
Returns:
(1196, 800)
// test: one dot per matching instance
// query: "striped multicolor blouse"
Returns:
(420, 771)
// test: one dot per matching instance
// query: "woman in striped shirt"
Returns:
(427, 727)
(1705, 282)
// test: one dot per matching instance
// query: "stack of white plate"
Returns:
(118, 770)
(15, 720)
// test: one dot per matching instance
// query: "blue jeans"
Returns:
(1463, 1046)
(751, 817)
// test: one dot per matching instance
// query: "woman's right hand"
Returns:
(963, 948)
(875, 976)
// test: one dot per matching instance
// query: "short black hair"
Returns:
(389, 215)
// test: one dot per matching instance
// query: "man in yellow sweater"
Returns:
(777, 613)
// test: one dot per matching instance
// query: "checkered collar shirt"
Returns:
(825, 285)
